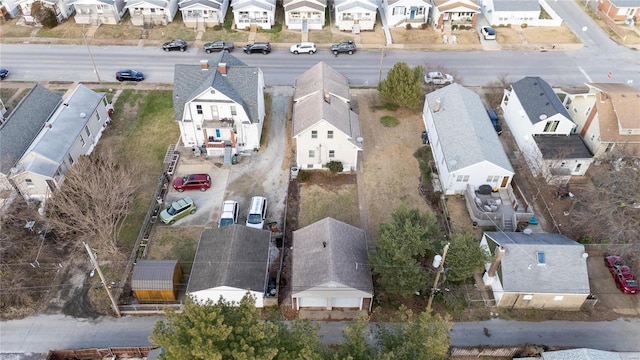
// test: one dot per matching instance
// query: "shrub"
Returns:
(49, 19)
(303, 176)
(523, 25)
(454, 27)
(389, 121)
(217, 27)
(424, 26)
(334, 166)
(408, 26)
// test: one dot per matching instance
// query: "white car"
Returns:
(488, 33)
(305, 47)
(438, 78)
(229, 213)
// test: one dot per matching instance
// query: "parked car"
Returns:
(438, 78)
(348, 47)
(129, 75)
(3, 73)
(488, 33)
(192, 182)
(305, 47)
(178, 210)
(257, 47)
(495, 121)
(228, 213)
(175, 45)
(625, 280)
(257, 212)
(218, 46)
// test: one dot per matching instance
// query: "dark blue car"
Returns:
(129, 75)
(495, 121)
(3, 73)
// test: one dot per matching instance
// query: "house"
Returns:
(472, 157)
(262, 13)
(503, 12)
(355, 15)
(201, 14)
(329, 267)
(324, 126)
(449, 13)
(99, 12)
(607, 117)
(61, 8)
(9, 9)
(304, 14)
(544, 131)
(399, 13)
(73, 130)
(219, 105)
(536, 271)
(621, 10)
(3, 112)
(230, 262)
(156, 280)
(582, 354)
(151, 12)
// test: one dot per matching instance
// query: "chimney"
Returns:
(327, 96)
(222, 68)
(436, 107)
(204, 64)
(494, 266)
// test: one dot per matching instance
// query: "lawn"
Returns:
(174, 243)
(318, 202)
(66, 30)
(9, 29)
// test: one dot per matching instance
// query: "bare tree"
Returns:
(94, 201)
(495, 90)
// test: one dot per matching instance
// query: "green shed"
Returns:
(156, 280)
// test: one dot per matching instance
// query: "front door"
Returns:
(505, 180)
(412, 14)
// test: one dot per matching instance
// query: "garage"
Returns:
(346, 302)
(312, 302)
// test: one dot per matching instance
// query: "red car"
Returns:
(192, 182)
(622, 274)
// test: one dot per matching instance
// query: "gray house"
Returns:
(230, 262)
(536, 270)
(22, 126)
(330, 269)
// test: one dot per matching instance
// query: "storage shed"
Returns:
(156, 280)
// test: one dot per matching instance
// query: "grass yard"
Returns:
(415, 36)
(318, 202)
(549, 35)
(7, 93)
(174, 30)
(67, 30)
(174, 243)
(326, 36)
(9, 29)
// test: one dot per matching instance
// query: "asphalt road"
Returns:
(42, 333)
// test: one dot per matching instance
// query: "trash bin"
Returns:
(294, 172)
(234, 159)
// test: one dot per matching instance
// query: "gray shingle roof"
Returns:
(516, 5)
(538, 99)
(24, 124)
(562, 147)
(240, 84)
(564, 272)
(626, 3)
(153, 275)
(315, 264)
(464, 129)
(235, 256)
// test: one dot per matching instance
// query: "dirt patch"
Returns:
(375, 37)
(459, 219)
(324, 195)
(535, 35)
(416, 36)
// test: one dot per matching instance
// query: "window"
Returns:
(314, 134)
(98, 116)
(578, 167)
(332, 153)
(462, 178)
(588, 110)
(398, 10)
(233, 110)
(592, 137)
(199, 109)
(87, 131)
(330, 134)
(70, 158)
(527, 297)
(29, 182)
(312, 153)
(558, 298)
(551, 126)
(489, 178)
(542, 260)
(82, 141)
(609, 147)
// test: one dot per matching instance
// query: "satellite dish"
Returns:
(527, 231)
(359, 139)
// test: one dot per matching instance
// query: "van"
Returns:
(257, 212)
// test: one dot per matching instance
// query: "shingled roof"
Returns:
(538, 99)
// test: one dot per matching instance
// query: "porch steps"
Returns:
(227, 155)
(508, 225)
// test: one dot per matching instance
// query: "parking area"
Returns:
(604, 287)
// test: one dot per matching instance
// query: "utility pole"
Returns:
(380, 69)
(435, 283)
(104, 282)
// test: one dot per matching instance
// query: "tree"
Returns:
(402, 245)
(403, 86)
(44, 16)
(355, 346)
(465, 257)
(93, 201)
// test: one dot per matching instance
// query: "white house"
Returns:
(544, 131)
(98, 12)
(329, 267)
(9, 9)
(73, 130)
(230, 262)
(151, 12)
(447, 13)
(201, 14)
(304, 14)
(61, 8)
(536, 271)
(22, 126)
(465, 146)
(505, 12)
(399, 13)
(355, 15)
(324, 126)
(262, 13)
(219, 105)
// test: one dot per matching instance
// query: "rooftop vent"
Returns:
(83, 115)
(437, 106)
(543, 116)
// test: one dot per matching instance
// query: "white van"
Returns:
(257, 212)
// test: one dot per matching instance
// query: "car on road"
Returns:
(348, 47)
(3, 73)
(303, 48)
(178, 210)
(129, 75)
(228, 213)
(438, 78)
(192, 182)
(625, 280)
(257, 47)
(175, 45)
(495, 121)
(488, 33)
(217, 46)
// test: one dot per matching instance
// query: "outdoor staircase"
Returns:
(508, 225)
(227, 155)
